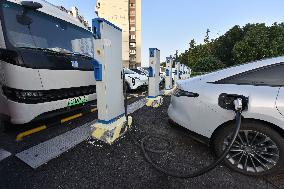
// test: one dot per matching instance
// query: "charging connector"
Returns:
(238, 104)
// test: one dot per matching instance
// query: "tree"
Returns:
(206, 40)
(163, 64)
(223, 46)
(237, 45)
(254, 46)
(192, 44)
(208, 64)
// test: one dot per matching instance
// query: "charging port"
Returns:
(227, 101)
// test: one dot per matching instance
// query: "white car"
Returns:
(134, 80)
(144, 71)
(201, 104)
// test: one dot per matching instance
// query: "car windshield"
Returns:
(41, 31)
(138, 71)
(126, 71)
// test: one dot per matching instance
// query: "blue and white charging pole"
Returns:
(154, 98)
(177, 72)
(112, 121)
(168, 79)
(182, 71)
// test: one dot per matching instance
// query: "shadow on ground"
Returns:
(122, 165)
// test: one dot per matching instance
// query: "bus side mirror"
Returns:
(27, 5)
(30, 5)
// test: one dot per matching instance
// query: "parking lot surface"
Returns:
(92, 164)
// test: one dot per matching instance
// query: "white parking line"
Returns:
(4, 154)
(136, 106)
(50, 149)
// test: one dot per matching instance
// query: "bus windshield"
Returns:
(45, 32)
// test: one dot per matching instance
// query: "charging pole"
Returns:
(187, 72)
(112, 122)
(168, 79)
(182, 75)
(177, 72)
(154, 99)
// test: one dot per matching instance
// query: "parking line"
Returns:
(71, 118)
(50, 149)
(30, 132)
(4, 154)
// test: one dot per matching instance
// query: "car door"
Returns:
(280, 101)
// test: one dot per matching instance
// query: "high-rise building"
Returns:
(126, 14)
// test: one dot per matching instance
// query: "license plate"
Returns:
(77, 101)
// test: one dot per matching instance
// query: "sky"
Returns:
(170, 25)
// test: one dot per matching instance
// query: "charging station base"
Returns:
(168, 92)
(109, 133)
(154, 102)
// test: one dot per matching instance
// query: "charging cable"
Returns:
(238, 117)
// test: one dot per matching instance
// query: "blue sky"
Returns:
(170, 25)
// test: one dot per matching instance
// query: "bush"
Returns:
(208, 64)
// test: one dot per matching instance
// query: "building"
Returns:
(126, 14)
(75, 13)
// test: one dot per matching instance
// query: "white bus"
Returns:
(46, 62)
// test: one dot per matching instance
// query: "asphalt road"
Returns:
(92, 164)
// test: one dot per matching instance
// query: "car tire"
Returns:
(5, 126)
(127, 87)
(260, 153)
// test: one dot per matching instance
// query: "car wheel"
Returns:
(257, 151)
(4, 126)
(127, 87)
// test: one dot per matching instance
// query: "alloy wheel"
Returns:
(252, 151)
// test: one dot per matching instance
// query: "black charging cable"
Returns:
(220, 159)
(203, 170)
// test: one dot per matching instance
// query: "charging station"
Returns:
(112, 121)
(168, 79)
(177, 72)
(187, 71)
(182, 74)
(154, 98)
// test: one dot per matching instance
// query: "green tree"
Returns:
(254, 46)
(208, 64)
(237, 45)
(223, 46)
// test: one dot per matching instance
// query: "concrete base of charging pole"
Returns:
(154, 102)
(110, 132)
(168, 92)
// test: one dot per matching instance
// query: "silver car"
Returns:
(259, 148)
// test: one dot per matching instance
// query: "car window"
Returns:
(129, 72)
(137, 71)
(272, 75)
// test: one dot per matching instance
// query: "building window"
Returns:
(132, 5)
(132, 44)
(132, 59)
(132, 37)
(132, 52)
(132, 28)
(132, 13)
(132, 21)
